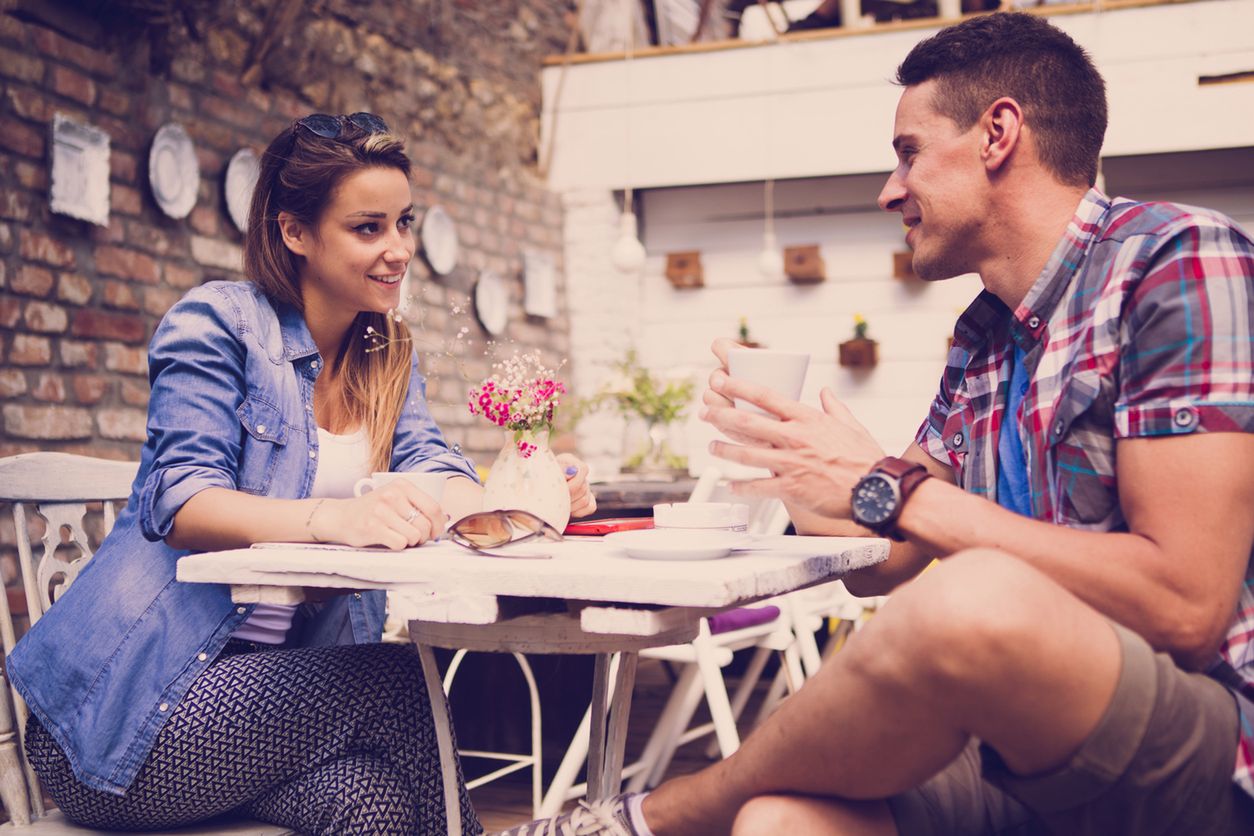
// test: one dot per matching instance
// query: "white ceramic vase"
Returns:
(534, 483)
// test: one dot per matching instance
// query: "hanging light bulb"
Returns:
(770, 260)
(627, 256)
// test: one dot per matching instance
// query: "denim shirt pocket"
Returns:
(261, 442)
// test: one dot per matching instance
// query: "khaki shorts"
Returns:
(1159, 762)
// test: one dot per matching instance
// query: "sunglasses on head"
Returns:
(493, 529)
(332, 127)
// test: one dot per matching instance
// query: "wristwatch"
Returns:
(879, 496)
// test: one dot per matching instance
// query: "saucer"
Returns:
(173, 170)
(677, 544)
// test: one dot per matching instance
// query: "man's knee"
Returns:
(767, 815)
(965, 616)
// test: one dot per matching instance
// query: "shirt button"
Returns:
(261, 428)
(204, 657)
(1184, 418)
(313, 454)
(241, 610)
(1059, 427)
(958, 439)
(309, 407)
(165, 706)
(1034, 322)
(314, 365)
(457, 448)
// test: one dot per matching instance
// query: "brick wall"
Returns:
(78, 302)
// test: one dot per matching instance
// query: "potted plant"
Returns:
(859, 352)
(651, 404)
(742, 335)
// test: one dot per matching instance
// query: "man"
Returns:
(1085, 478)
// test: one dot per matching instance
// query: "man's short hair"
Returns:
(1024, 57)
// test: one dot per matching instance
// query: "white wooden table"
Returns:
(589, 598)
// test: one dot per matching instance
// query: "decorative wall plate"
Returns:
(173, 170)
(439, 240)
(492, 302)
(80, 171)
(238, 185)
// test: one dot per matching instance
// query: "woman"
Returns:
(157, 703)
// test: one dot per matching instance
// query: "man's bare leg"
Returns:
(773, 814)
(981, 645)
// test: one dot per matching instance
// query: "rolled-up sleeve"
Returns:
(419, 444)
(1186, 353)
(196, 369)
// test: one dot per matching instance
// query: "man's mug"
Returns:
(782, 371)
(432, 484)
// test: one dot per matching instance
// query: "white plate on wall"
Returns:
(439, 240)
(238, 185)
(173, 170)
(492, 302)
(678, 544)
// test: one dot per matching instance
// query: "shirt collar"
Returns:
(297, 341)
(1033, 314)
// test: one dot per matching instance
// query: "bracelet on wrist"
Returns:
(309, 521)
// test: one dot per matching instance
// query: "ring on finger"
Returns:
(413, 512)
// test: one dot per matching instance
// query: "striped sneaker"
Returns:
(601, 818)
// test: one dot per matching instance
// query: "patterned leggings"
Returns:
(321, 740)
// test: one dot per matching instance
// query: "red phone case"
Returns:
(598, 527)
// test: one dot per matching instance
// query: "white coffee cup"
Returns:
(432, 484)
(780, 371)
(725, 516)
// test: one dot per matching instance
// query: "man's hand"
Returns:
(816, 456)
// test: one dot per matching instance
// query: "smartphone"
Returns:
(599, 527)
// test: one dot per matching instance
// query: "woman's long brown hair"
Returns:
(299, 173)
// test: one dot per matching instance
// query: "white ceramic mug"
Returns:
(432, 484)
(724, 516)
(781, 371)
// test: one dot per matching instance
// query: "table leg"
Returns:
(609, 733)
(596, 737)
(444, 739)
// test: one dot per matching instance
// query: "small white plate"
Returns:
(439, 240)
(241, 179)
(492, 302)
(677, 544)
(173, 170)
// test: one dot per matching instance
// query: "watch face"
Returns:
(875, 499)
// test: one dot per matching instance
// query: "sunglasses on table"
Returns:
(328, 126)
(486, 530)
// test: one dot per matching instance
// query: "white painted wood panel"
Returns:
(824, 106)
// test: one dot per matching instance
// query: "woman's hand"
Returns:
(396, 516)
(582, 502)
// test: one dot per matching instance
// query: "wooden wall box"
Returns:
(903, 265)
(858, 353)
(684, 269)
(804, 265)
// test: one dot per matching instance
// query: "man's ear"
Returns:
(1002, 130)
(295, 234)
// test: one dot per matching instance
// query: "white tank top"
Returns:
(342, 460)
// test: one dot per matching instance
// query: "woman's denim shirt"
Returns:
(231, 407)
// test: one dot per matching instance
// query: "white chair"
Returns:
(701, 676)
(396, 629)
(52, 492)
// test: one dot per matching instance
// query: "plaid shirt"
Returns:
(1139, 325)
